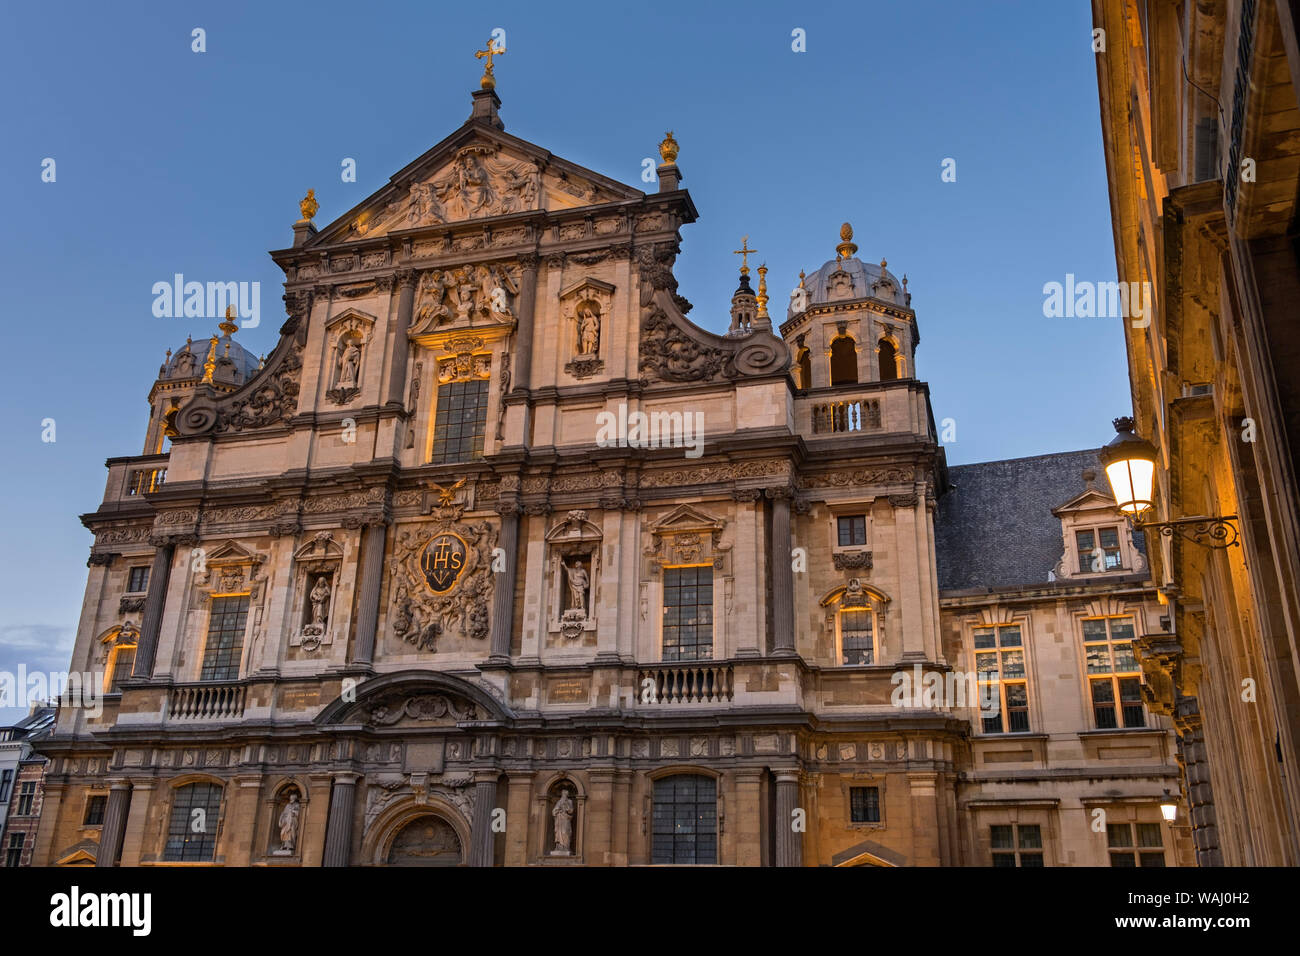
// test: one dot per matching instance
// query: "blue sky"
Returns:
(174, 161)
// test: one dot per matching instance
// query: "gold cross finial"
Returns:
(489, 81)
(744, 252)
(229, 326)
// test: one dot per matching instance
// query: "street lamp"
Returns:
(1168, 808)
(1130, 465)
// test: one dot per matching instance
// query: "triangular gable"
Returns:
(1090, 499)
(477, 172)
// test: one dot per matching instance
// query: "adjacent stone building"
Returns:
(499, 558)
(1201, 128)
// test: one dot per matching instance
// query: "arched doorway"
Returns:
(427, 840)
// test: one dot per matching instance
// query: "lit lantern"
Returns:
(1130, 464)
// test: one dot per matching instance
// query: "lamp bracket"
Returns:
(1216, 532)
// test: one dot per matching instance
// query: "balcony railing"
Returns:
(145, 480)
(688, 683)
(207, 702)
(852, 415)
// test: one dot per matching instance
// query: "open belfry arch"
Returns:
(404, 605)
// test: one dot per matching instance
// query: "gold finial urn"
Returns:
(762, 291)
(308, 205)
(229, 326)
(668, 149)
(846, 247)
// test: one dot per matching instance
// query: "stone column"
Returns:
(372, 575)
(133, 843)
(110, 838)
(154, 601)
(524, 332)
(481, 836)
(789, 842)
(338, 828)
(503, 588)
(406, 279)
(783, 638)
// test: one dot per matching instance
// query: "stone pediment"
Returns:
(1090, 500)
(475, 174)
(416, 699)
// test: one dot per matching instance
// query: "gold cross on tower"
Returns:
(489, 82)
(744, 252)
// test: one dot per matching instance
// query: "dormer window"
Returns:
(1098, 550)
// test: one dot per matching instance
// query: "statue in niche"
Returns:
(578, 581)
(350, 365)
(588, 319)
(288, 823)
(562, 813)
(466, 290)
(320, 599)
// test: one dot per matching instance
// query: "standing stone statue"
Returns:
(320, 598)
(563, 814)
(577, 586)
(289, 823)
(351, 366)
(588, 330)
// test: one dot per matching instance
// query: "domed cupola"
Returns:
(850, 322)
(846, 277)
(220, 362)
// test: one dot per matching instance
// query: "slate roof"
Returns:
(995, 528)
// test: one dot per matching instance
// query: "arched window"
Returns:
(857, 635)
(844, 361)
(888, 361)
(192, 828)
(685, 819)
(121, 661)
(805, 368)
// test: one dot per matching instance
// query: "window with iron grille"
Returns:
(1000, 666)
(688, 614)
(95, 811)
(685, 820)
(192, 829)
(123, 662)
(225, 644)
(1016, 845)
(460, 421)
(864, 804)
(1116, 696)
(857, 636)
(1135, 844)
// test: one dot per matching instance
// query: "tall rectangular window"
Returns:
(26, 797)
(192, 828)
(857, 636)
(1135, 844)
(1000, 666)
(95, 807)
(14, 851)
(852, 530)
(6, 783)
(864, 804)
(685, 820)
(137, 580)
(1016, 845)
(1114, 676)
(225, 644)
(460, 421)
(688, 614)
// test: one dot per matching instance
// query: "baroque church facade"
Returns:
(388, 597)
